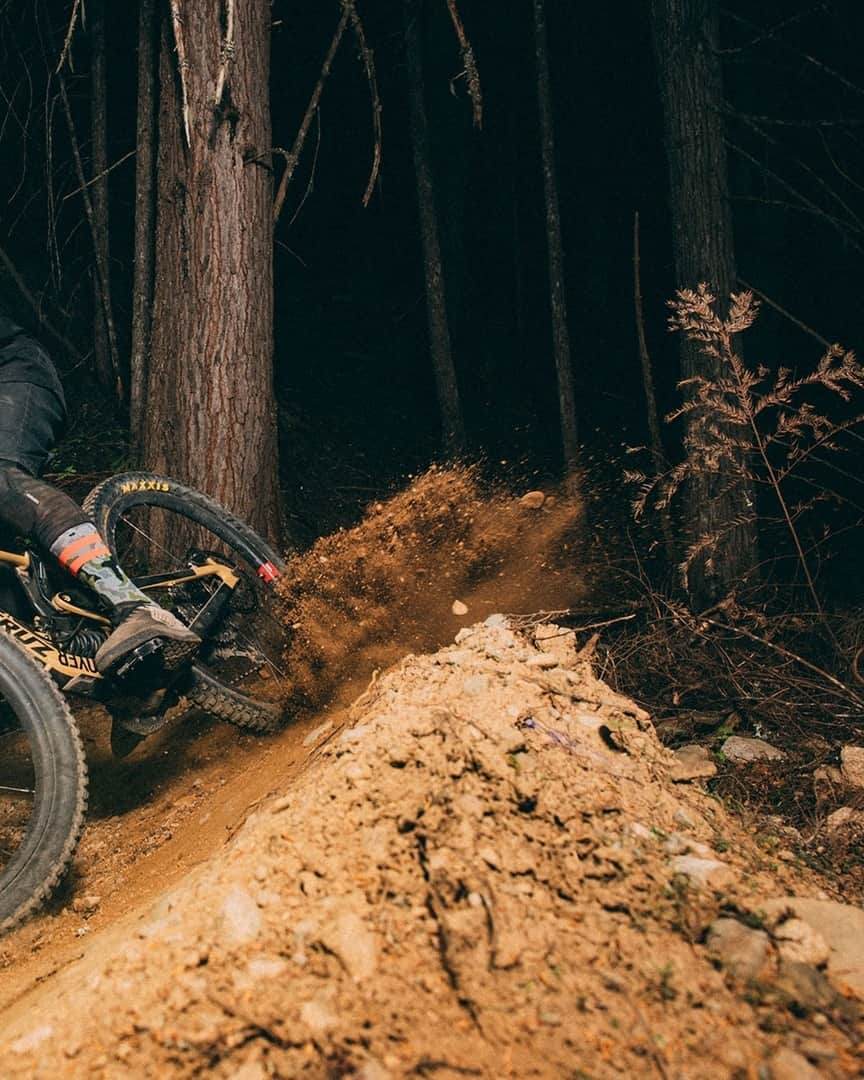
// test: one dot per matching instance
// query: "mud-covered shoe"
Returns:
(148, 622)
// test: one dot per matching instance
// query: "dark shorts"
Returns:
(31, 421)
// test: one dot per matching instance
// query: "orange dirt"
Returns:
(468, 872)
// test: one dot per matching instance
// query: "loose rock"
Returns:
(349, 938)
(693, 762)
(241, 918)
(710, 872)
(787, 1064)
(797, 940)
(852, 765)
(743, 951)
(844, 818)
(737, 748)
(842, 928)
(86, 905)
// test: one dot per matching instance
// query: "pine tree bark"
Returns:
(449, 404)
(555, 251)
(685, 35)
(145, 217)
(210, 417)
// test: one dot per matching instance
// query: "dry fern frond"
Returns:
(760, 431)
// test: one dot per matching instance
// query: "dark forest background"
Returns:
(353, 380)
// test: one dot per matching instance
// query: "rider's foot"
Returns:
(146, 622)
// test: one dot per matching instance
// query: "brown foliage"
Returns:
(780, 433)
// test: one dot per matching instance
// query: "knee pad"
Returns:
(34, 508)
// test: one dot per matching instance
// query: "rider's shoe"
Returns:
(145, 623)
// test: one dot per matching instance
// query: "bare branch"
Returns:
(69, 32)
(471, 73)
(773, 304)
(293, 156)
(182, 65)
(831, 72)
(36, 307)
(802, 203)
(227, 53)
(369, 64)
(826, 187)
(100, 176)
(311, 183)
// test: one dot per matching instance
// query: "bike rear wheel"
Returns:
(43, 785)
(154, 525)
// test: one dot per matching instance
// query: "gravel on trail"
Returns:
(489, 869)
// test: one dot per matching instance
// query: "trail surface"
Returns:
(479, 863)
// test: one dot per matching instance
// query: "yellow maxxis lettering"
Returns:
(144, 485)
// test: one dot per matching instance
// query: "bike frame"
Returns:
(76, 673)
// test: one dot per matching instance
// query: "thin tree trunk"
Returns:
(644, 356)
(449, 404)
(145, 176)
(99, 261)
(648, 387)
(104, 339)
(211, 417)
(555, 252)
(685, 34)
(99, 184)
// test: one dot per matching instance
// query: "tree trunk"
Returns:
(145, 208)
(99, 184)
(104, 339)
(685, 34)
(452, 423)
(555, 252)
(211, 418)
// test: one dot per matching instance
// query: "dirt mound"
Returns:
(487, 871)
(362, 597)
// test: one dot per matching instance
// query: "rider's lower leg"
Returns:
(58, 525)
(137, 620)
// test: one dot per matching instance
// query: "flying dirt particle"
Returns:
(532, 500)
(459, 608)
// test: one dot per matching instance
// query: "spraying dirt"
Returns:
(361, 598)
(485, 866)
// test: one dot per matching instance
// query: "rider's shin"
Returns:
(83, 552)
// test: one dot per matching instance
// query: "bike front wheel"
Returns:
(157, 527)
(43, 785)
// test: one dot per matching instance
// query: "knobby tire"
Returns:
(109, 501)
(40, 715)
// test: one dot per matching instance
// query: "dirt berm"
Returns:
(487, 870)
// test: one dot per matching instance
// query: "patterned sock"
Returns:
(83, 552)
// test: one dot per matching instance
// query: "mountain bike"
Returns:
(190, 555)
